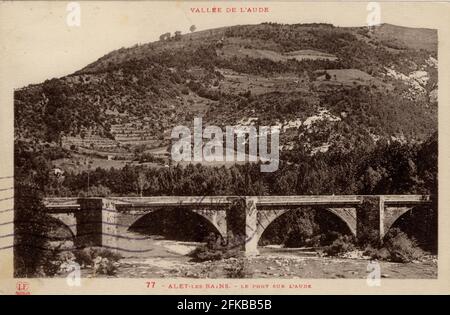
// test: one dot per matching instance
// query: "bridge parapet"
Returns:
(72, 203)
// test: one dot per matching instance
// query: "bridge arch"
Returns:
(66, 221)
(411, 220)
(180, 222)
(347, 216)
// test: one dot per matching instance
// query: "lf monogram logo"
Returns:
(22, 288)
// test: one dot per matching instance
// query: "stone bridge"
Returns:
(99, 221)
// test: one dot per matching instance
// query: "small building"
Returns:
(57, 171)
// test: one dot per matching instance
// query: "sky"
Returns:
(37, 44)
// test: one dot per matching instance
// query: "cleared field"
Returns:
(238, 51)
(79, 163)
(308, 54)
(347, 77)
(241, 83)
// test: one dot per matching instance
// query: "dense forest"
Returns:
(387, 169)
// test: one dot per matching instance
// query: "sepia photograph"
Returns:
(234, 143)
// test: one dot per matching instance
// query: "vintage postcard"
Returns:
(224, 147)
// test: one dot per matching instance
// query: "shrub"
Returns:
(341, 245)
(102, 261)
(370, 237)
(66, 262)
(371, 252)
(49, 263)
(216, 249)
(105, 266)
(53, 262)
(203, 253)
(397, 247)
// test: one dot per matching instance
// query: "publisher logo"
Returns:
(22, 288)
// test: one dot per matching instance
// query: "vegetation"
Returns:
(387, 169)
(101, 261)
(396, 247)
(30, 247)
(342, 244)
(154, 81)
(216, 249)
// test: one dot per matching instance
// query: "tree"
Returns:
(31, 175)
(58, 115)
(192, 28)
(142, 182)
(164, 36)
(177, 35)
(96, 191)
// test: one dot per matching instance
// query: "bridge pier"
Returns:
(96, 223)
(368, 216)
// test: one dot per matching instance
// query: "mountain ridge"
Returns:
(376, 89)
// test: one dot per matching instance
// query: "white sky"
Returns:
(38, 44)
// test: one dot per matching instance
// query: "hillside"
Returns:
(405, 37)
(328, 88)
